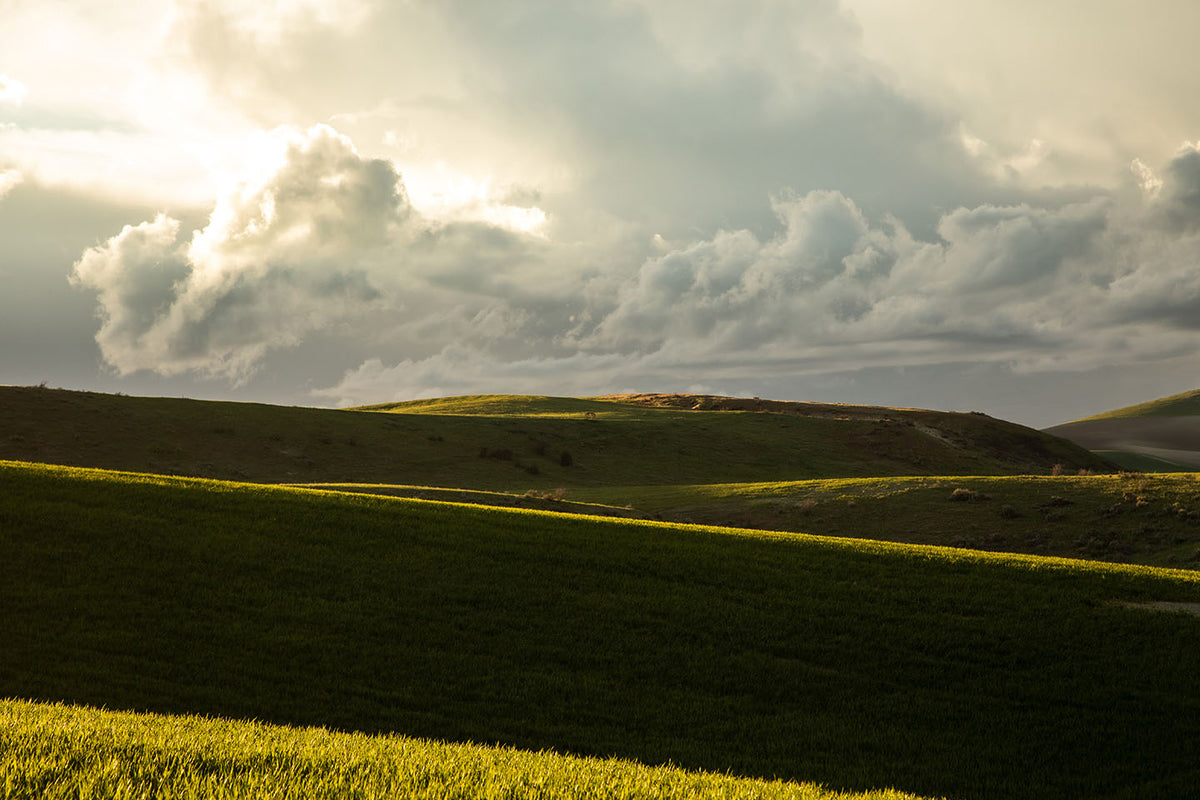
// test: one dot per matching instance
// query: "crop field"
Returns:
(855, 664)
(54, 752)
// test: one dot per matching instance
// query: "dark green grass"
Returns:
(1131, 518)
(439, 443)
(50, 752)
(856, 664)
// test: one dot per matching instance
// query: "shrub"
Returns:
(566, 459)
(1008, 512)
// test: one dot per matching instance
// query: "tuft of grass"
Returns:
(848, 663)
(53, 752)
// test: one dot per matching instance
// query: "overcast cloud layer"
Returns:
(346, 203)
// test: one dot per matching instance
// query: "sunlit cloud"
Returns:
(9, 180)
(12, 91)
(442, 194)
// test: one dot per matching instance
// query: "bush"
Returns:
(566, 459)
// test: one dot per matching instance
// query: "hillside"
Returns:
(515, 443)
(860, 665)
(1161, 435)
(1135, 519)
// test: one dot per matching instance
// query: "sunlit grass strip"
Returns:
(56, 751)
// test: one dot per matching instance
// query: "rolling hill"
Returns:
(513, 444)
(1161, 435)
(856, 664)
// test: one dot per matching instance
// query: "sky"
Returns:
(989, 206)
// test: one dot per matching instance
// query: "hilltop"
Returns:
(1160, 435)
(519, 443)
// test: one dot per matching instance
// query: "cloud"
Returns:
(281, 256)
(9, 180)
(459, 369)
(12, 91)
(1177, 194)
(1074, 286)
(831, 278)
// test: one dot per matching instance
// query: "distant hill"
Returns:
(1161, 435)
(518, 443)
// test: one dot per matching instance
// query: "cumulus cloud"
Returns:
(1177, 194)
(831, 277)
(1034, 288)
(281, 256)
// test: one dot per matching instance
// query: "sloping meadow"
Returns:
(859, 665)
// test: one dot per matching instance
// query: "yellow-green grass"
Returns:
(854, 664)
(1131, 518)
(1184, 404)
(509, 444)
(52, 752)
(540, 500)
(513, 405)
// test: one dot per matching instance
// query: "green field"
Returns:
(52, 752)
(859, 665)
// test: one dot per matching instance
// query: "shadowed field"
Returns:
(1161, 435)
(856, 664)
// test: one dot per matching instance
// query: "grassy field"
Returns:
(1131, 518)
(1161, 435)
(510, 444)
(1184, 404)
(855, 664)
(54, 752)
